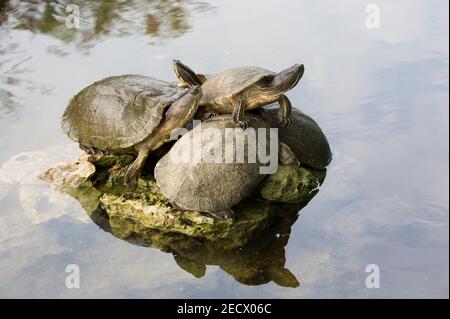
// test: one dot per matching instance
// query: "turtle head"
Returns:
(186, 75)
(274, 86)
(183, 109)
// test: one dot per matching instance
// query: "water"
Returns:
(380, 95)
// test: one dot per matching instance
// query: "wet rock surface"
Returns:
(96, 181)
(250, 248)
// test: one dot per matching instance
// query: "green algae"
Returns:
(290, 184)
(97, 181)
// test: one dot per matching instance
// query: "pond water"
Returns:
(379, 94)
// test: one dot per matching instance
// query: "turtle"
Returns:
(129, 114)
(305, 139)
(244, 88)
(210, 185)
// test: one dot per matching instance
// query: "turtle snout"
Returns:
(295, 72)
(290, 76)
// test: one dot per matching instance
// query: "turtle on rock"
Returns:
(306, 139)
(129, 114)
(241, 89)
(214, 185)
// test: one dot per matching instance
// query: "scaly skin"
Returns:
(177, 116)
(237, 90)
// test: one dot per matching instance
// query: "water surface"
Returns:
(380, 95)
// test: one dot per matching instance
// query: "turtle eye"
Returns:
(265, 81)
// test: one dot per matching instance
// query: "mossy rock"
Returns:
(250, 248)
(96, 181)
(290, 184)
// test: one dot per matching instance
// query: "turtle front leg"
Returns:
(135, 168)
(284, 114)
(238, 113)
(286, 156)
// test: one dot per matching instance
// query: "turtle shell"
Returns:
(118, 112)
(205, 185)
(234, 81)
(305, 139)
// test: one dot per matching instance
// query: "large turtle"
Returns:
(131, 114)
(244, 88)
(214, 185)
(305, 139)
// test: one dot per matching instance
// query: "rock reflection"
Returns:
(251, 248)
(254, 258)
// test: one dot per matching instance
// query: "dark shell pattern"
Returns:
(205, 186)
(305, 139)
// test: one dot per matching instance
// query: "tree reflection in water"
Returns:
(160, 20)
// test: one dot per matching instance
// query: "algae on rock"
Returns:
(250, 248)
(97, 181)
(290, 184)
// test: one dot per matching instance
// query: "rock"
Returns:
(96, 181)
(23, 168)
(64, 176)
(250, 248)
(38, 200)
(252, 216)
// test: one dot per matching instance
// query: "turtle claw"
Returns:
(243, 124)
(131, 176)
(91, 150)
(287, 122)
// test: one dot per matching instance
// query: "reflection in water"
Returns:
(99, 20)
(163, 19)
(8, 76)
(381, 97)
(258, 260)
(14, 76)
(251, 248)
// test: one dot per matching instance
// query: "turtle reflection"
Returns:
(251, 248)
(254, 259)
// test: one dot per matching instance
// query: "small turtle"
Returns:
(214, 185)
(306, 139)
(130, 114)
(241, 89)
